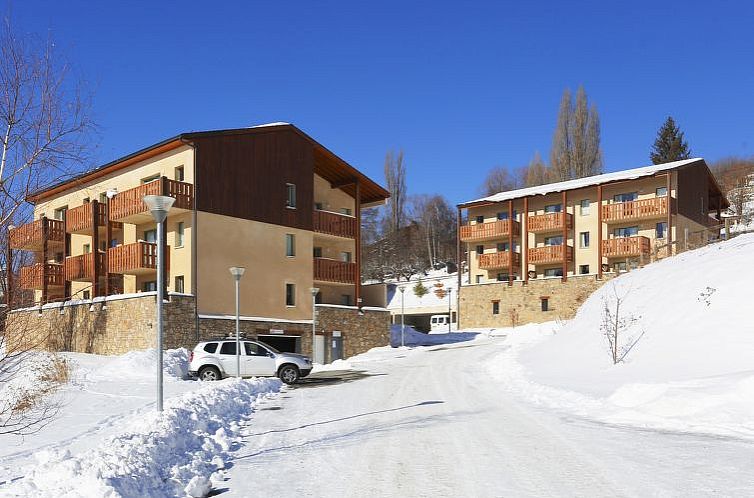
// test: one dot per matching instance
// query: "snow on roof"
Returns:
(628, 174)
(277, 123)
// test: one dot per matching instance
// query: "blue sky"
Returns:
(459, 86)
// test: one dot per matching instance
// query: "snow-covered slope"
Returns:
(693, 368)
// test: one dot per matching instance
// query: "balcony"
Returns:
(31, 236)
(498, 260)
(643, 209)
(34, 276)
(128, 206)
(139, 258)
(80, 220)
(549, 222)
(549, 254)
(335, 224)
(81, 268)
(331, 270)
(625, 247)
(489, 231)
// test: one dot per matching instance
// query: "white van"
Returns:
(438, 324)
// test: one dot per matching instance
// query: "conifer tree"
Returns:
(669, 145)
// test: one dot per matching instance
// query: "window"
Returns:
(59, 213)
(556, 240)
(290, 245)
(620, 266)
(584, 240)
(345, 299)
(58, 257)
(290, 201)
(345, 257)
(87, 294)
(210, 347)
(554, 272)
(253, 349)
(149, 286)
(318, 298)
(701, 205)
(584, 207)
(661, 191)
(480, 249)
(583, 269)
(661, 229)
(103, 246)
(179, 284)
(150, 178)
(179, 234)
(495, 307)
(318, 206)
(626, 197)
(480, 219)
(346, 211)
(150, 235)
(544, 303)
(502, 246)
(503, 215)
(228, 348)
(290, 294)
(502, 277)
(317, 252)
(479, 279)
(626, 231)
(553, 208)
(87, 248)
(179, 173)
(103, 198)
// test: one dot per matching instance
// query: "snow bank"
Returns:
(690, 371)
(141, 365)
(174, 453)
(413, 337)
(27, 377)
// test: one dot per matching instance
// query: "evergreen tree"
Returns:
(669, 145)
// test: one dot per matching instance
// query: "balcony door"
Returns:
(626, 232)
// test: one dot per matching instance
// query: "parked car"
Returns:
(439, 324)
(216, 359)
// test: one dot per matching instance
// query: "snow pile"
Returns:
(174, 453)
(691, 370)
(412, 337)
(141, 364)
(26, 378)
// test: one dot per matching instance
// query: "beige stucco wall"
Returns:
(332, 199)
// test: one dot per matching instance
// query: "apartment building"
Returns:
(268, 198)
(534, 254)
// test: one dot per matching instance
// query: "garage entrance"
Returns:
(283, 343)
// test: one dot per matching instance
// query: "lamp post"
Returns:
(237, 272)
(315, 291)
(159, 205)
(450, 313)
(403, 325)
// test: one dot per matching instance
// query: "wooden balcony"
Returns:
(34, 276)
(80, 220)
(489, 231)
(549, 254)
(31, 236)
(643, 209)
(549, 222)
(139, 258)
(81, 268)
(499, 260)
(129, 207)
(625, 247)
(331, 270)
(335, 224)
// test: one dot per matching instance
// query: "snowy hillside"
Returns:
(691, 370)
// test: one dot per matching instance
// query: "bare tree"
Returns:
(395, 177)
(576, 151)
(621, 329)
(499, 179)
(536, 172)
(736, 178)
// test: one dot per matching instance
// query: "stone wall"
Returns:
(361, 330)
(522, 304)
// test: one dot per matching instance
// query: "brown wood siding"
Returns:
(245, 176)
(692, 186)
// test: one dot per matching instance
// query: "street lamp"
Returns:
(450, 313)
(402, 288)
(237, 272)
(315, 291)
(159, 205)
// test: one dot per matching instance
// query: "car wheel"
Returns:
(288, 374)
(209, 374)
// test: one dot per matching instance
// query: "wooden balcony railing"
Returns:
(135, 259)
(82, 267)
(497, 260)
(80, 219)
(634, 210)
(31, 236)
(34, 276)
(488, 231)
(549, 222)
(625, 246)
(331, 270)
(549, 254)
(334, 224)
(129, 204)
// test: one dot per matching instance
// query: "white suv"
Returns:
(214, 360)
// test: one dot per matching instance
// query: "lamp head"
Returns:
(111, 193)
(237, 271)
(402, 288)
(159, 205)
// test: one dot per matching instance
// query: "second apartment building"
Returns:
(534, 254)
